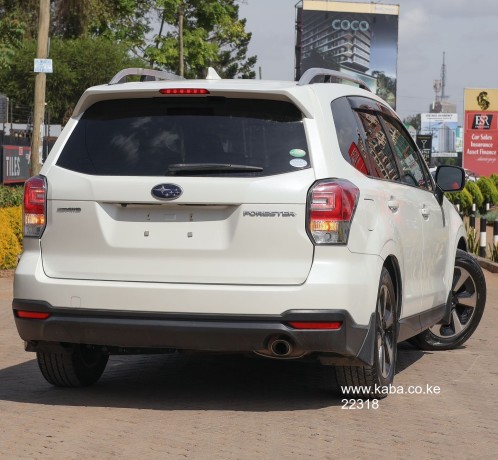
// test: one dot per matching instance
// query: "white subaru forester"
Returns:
(288, 219)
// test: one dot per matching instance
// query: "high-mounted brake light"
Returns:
(32, 314)
(316, 325)
(331, 205)
(183, 91)
(35, 204)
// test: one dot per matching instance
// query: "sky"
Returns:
(466, 31)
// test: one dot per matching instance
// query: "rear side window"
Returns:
(350, 139)
(163, 136)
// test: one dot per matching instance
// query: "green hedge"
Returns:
(11, 195)
(476, 194)
(489, 192)
(10, 236)
(463, 198)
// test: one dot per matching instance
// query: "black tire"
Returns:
(80, 367)
(373, 381)
(468, 298)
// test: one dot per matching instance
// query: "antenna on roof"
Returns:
(212, 74)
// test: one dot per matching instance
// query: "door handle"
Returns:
(393, 205)
(425, 212)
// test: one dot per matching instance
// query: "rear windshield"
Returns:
(187, 135)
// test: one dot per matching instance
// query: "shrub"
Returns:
(10, 236)
(472, 240)
(488, 190)
(476, 193)
(494, 178)
(11, 195)
(451, 197)
(13, 218)
(464, 199)
(493, 250)
(491, 216)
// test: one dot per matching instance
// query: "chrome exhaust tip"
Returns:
(280, 347)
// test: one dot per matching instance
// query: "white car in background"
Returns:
(471, 175)
(288, 219)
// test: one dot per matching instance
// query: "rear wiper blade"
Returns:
(205, 167)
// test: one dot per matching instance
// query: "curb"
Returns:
(487, 264)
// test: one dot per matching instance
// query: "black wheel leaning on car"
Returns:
(80, 367)
(468, 298)
(371, 380)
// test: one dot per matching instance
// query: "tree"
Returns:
(123, 21)
(11, 34)
(413, 120)
(386, 87)
(213, 35)
(15, 22)
(126, 22)
(93, 39)
(78, 64)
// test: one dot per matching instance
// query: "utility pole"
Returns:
(180, 41)
(40, 83)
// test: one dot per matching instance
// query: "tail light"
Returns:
(331, 206)
(35, 206)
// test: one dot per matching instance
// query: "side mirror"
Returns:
(450, 178)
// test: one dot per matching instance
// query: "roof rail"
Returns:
(331, 76)
(120, 77)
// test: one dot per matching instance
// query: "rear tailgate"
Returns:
(223, 234)
(240, 169)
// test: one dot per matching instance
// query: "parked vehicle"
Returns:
(471, 175)
(288, 219)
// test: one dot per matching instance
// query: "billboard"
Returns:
(16, 161)
(480, 143)
(359, 39)
(443, 128)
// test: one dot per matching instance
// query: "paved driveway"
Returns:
(224, 407)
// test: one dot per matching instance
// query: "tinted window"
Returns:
(384, 164)
(144, 137)
(412, 169)
(350, 139)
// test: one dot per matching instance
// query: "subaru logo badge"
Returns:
(166, 192)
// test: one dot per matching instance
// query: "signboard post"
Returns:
(424, 143)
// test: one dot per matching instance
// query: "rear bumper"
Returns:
(227, 333)
(338, 280)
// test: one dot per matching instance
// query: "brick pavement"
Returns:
(226, 407)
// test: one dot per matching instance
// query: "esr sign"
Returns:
(15, 163)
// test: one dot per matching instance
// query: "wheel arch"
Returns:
(462, 244)
(392, 266)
